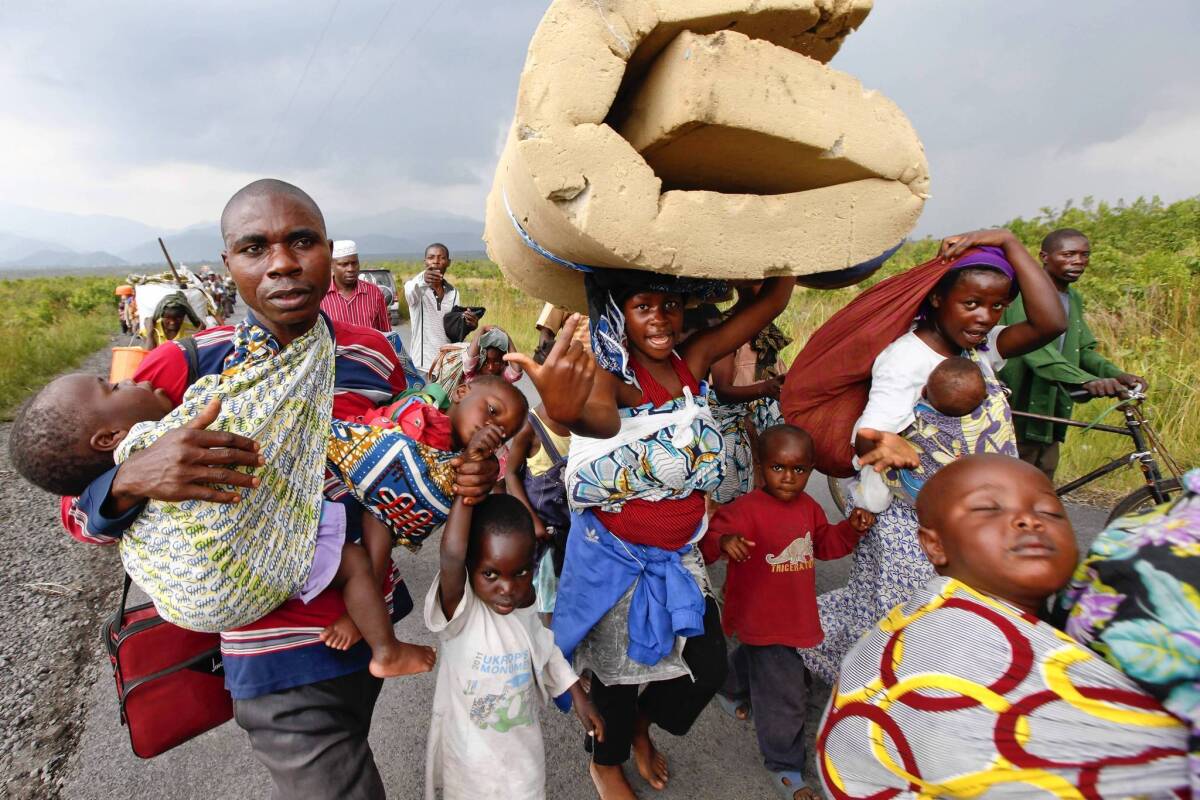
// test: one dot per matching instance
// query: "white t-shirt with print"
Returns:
(494, 670)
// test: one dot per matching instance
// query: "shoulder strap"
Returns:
(192, 353)
(544, 436)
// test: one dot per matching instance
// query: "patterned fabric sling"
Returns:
(214, 566)
(406, 485)
(939, 439)
(661, 453)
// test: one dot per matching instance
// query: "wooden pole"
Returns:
(171, 264)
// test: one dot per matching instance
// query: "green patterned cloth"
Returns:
(214, 566)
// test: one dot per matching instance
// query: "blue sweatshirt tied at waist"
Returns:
(597, 571)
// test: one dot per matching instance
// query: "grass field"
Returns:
(1141, 292)
(48, 325)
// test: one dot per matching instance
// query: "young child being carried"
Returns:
(771, 536)
(485, 739)
(975, 693)
(100, 416)
(954, 390)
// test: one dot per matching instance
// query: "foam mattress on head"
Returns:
(705, 139)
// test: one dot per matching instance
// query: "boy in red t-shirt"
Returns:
(771, 537)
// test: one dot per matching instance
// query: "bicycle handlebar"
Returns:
(1081, 395)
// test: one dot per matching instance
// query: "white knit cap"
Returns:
(343, 248)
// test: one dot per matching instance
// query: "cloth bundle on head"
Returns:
(494, 337)
(608, 289)
(215, 566)
(827, 386)
(344, 247)
(177, 301)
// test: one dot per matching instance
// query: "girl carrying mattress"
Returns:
(634, 604)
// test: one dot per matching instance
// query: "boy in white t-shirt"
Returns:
(496, 656)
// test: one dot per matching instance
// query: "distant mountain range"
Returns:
(32, 238)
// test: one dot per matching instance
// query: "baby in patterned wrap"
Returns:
(106, 412)
(955, 388)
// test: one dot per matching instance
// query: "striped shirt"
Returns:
(283, 649)
(366, 307)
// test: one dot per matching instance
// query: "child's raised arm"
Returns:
(455, 537)
(457, 532)
(520, 448)
(706, 347)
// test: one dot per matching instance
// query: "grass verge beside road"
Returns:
(1141, 292)
(48, 325)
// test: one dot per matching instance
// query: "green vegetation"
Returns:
(48, 325)
(1141, 290)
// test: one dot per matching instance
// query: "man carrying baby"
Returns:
(306, 707)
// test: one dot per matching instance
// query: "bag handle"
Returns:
(124, 602)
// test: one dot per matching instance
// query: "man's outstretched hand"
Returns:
(189, 463)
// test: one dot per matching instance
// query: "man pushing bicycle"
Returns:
(1040, 380)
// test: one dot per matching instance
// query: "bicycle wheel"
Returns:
(1139, 501)
(839, 495)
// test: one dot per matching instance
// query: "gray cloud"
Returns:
(158, 110)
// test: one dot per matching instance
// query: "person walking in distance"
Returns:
(430, 298)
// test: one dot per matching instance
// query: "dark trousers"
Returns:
(671, 705)
(313, 739)
(773, 680)
(1041, 455)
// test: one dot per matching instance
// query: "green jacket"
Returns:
(1036, 378)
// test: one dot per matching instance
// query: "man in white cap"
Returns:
(351, 300)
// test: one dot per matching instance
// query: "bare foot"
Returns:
(402, 658)
(341, 634)
(651, 764)
(611, 783)
(803, 793)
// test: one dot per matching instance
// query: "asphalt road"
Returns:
(719, 759)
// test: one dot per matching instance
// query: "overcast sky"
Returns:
(159, 110)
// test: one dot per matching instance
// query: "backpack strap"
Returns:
(191, 352)
(544, 436)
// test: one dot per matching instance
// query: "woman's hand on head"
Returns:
(954, 246)
(886, 450)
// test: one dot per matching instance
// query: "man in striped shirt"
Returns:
(306, 707)
(349, 299)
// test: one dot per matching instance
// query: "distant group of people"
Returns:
(575, 535)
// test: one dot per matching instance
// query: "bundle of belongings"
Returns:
(635, 144)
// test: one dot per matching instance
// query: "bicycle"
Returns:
(1147, 444)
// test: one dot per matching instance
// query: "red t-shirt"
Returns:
(771, 597)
